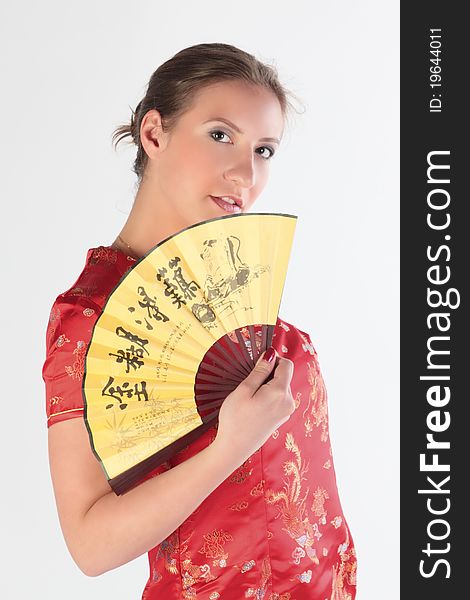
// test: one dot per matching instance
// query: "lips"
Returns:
(226, 206)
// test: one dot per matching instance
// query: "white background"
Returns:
(70, 71)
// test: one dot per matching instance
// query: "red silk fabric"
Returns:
(274, 529)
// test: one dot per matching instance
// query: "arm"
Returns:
(102, 530)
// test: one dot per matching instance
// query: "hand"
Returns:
(250, 413)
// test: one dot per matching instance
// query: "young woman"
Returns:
(251, 509)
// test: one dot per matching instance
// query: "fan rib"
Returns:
(235, 349)
(216, 371)
(243, 348)
(233, 366)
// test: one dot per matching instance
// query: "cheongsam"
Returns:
(274, 529)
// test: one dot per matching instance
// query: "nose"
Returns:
(243, 173)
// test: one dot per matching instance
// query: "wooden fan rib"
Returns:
(216, 371)
(232, 363)
(243, 348)
(206, 378)
(254, 346)
(213, 386)
(208, 396)
(237, 352)
(227, 365)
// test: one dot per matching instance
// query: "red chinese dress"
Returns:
(274, 529)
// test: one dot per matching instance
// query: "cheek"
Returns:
(189, 168)
(261, 180)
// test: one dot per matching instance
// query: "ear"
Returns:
(152, 136)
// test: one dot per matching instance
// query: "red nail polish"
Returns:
(270, 354)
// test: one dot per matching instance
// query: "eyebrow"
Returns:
(238, 130)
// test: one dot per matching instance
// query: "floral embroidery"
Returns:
(213, 546)
(104, 254)
(76, 370)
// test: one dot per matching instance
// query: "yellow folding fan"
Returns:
(182, 328)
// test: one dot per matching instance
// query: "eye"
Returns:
(218, 131)
(271, 152)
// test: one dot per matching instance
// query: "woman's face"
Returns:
(203, 156)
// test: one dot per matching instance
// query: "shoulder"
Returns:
(104, 268)
(80, 305)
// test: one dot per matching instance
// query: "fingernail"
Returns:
(270, 354)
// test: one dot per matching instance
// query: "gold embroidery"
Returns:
(291, 506)
(241, 473)
(191, 573)
(243, 505)
(345, 572)
(258, 489)
(104, 254)
(62, 412)
(260, 591)
(318, 508)
(54, 316)
(297, 399)
(213, 546)
(167, 549)
(55, 400)
(318, 398)
(87, 291)
(76, 370)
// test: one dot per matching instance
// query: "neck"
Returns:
(151, 220)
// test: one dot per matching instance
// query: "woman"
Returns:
(251, 508)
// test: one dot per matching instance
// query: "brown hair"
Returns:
(173, 85)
